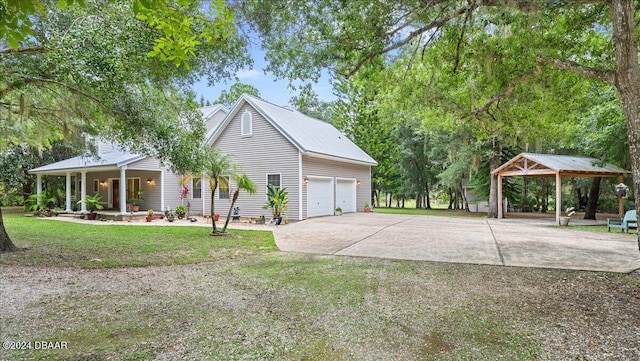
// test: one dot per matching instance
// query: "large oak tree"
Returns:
(119, 70)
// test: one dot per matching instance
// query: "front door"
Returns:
(115, 193)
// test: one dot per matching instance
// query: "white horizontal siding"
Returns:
(266, 151)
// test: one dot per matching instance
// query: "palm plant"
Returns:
(92, 202)
(243, 183)
(216, 165)
(277, 200)
(37, 203)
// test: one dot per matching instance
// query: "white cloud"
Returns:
(248, 74)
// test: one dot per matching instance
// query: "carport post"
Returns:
(500, 210)
(558, 197)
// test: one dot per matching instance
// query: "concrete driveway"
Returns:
(506, 242)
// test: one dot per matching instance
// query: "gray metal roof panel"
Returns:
(572, 163)
(310, 134)
(114, 158)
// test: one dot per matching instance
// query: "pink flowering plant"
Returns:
(184, 192)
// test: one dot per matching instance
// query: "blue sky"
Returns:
(271, 90)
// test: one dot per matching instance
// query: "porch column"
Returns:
(500, 210)
(162, 190)
(123, 190)
(39, 188)
(558, 197)
(68, 192)
(83, 191)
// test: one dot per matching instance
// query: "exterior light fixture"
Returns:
(305, 180)
(358, 183)
(150, 182)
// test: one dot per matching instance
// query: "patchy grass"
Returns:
(431, 212)
(240, 300)
(305, 307)
(64, 244)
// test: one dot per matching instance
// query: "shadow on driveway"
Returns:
(506, 242)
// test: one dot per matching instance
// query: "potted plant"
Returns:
(171, 217)
(260, 220)
(339, 211)
(367, 208)
(181, 211)
(149, 217)
(277, 200)
(137, 198)
(564, 220)
(93, 204)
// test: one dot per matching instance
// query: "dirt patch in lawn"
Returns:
(283, 306)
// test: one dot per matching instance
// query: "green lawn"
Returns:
(430, 212)
(236, 298)
(56, 243)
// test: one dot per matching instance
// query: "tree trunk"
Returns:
(594, 194)
(428, 198)
(578, 193)
(5, 242)
(495, 162)
(233, 203)
(451, 198)
(213, 195)
(628, 81)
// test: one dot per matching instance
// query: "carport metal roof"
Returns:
(547, 165)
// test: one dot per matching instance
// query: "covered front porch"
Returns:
(119, 181)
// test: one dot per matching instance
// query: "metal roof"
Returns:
(111, 159)
(311, 136)
(532, 164)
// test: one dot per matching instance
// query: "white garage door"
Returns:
(346, 195)
(319, 197)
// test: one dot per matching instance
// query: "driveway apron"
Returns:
(507, 242)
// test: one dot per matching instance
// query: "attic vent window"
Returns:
(246, 123)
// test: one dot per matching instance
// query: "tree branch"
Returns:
(412, 35)
(510, 88)
(34, 50)
(607, 76)
(67, 86)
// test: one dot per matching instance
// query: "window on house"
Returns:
(197, 188)
(96, 186)
(246, 123)
(224, 193)
(274, 180)
(132, 185)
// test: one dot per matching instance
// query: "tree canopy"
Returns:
(229, 98)
(120, 70)
(479, 63)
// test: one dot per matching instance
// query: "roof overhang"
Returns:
(339, 159)
(62, 172)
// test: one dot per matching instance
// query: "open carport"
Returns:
(506, 242)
